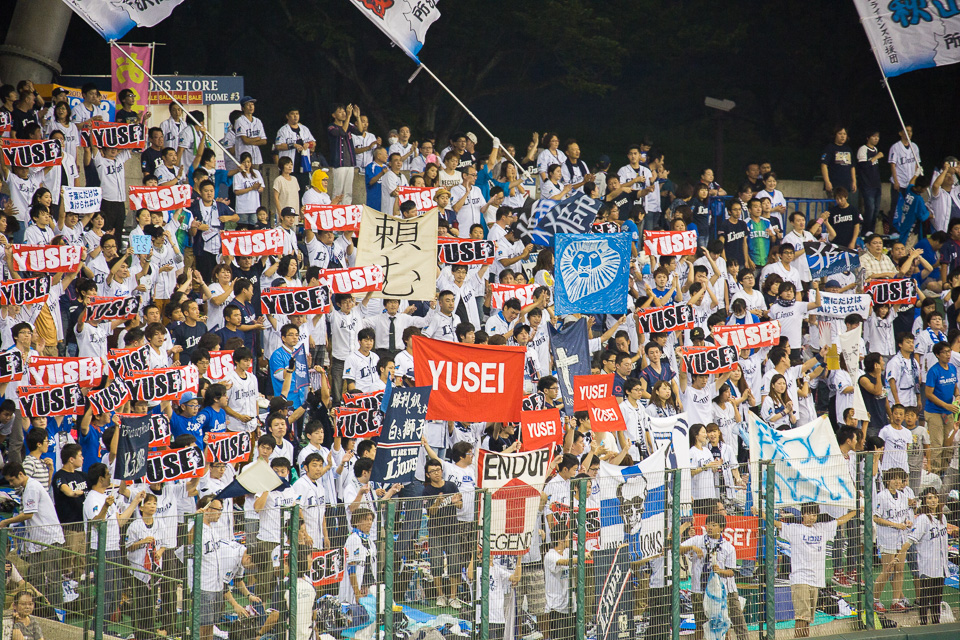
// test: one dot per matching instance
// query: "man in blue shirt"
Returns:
(372, 174)
(941, 388)
(280, 361)
(186, 421)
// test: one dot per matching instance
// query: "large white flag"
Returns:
(112, 19)
(911, 34)
(403, 21)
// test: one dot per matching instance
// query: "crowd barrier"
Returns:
(606, 562)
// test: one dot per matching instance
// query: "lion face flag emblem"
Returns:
(587, 267)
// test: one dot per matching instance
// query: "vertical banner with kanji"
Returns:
(406, 250)
(125, 75)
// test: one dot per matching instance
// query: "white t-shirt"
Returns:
(362, 369)
(388, 184)
(252, 129)
(466, 480)
(363, 158)
(270, 515)
(808, 551)
(703, 484)
(930, 539)
(697, 404)
(113, 181)
(791, 320)
(362, 555)
(92, 505)
(895, 444)
(242, 397)
(313, 505)
(557, 581)
(21, 193)
(469, 213)
(905, 160)
(719, 552)
(249, 201)
(894, 509)
(43, 527)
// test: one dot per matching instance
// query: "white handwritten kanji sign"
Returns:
(406, 250)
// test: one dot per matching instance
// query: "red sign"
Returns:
(115, 135)
(157, 385)
(364, 400)
(358, 423)
(26, 291)
(295, 301)
(670, 243)
(125, 361)
(470, 382)
(588, 388)
(175, 196)
(228, 447)
(354, 279)
(709, 360)
(467, 251)
(46, 370)
(674, 317)
(11, 366)
(56, 400)
(120, 308)
(562, 516)
(742, 532)
(327, 567)
(605, 415)
(424, 197)
(63, 258)
(504, 292)
(110, 397)
(893, 291)
(332, 217)
(256, 242)
(540, 429)
(748, 336)
(221, 366)
(31, 153)
(175, 464)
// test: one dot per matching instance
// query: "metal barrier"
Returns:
(604, 554)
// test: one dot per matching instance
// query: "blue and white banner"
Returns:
(826, 259)
(112, 19)
(632, 505)
(573, 215)
(809, 464)
(571, 353)
(591, 273)
(399, 445)
(405, 22)
(840, 305)
(911, 34)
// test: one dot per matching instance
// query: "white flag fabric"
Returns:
(405, 22)
(112, 19)
(809, 464)
(911, 34)
(850, 348)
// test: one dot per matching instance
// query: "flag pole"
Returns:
(520, 170)
(113, 43)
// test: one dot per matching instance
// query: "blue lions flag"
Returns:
(591, 273)
(571, 353)
(572, 215)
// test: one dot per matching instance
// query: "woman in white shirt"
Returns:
(728, 476)
(552, 188)
(91, 238)
(143, 551)
(662, 404)
(929, 535)
(777, 409)
(701, 461)
(286, 189)
(289, 270)
(71, 134)
(449, 177)
(247, 186)
(778, 204)
(550, 154)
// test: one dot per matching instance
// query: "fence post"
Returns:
(195, 578)
(485, 582)
(294, 535)
(4, 547)
(101, 587)
(388, 569)
(770, 552)
(582, 489)
(867, 573)
(675, 553)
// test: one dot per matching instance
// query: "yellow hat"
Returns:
(317, 180)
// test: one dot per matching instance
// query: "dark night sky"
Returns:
(638, 69)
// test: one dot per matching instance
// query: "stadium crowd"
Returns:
(750, 266)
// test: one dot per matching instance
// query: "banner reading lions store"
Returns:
(404, 249)
(470, 382)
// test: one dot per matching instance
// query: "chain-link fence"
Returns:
(600, 552)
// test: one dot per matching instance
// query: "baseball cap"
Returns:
(288, 211)
(279, 402)
(187, 397)
(472, 137)
(512, 228)
(832, 284)
(603, 161)
(246, 99)
(60, 91)
(697, 334)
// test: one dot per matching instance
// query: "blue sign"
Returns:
(398, 447)
(591, 273)
(571, 353)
